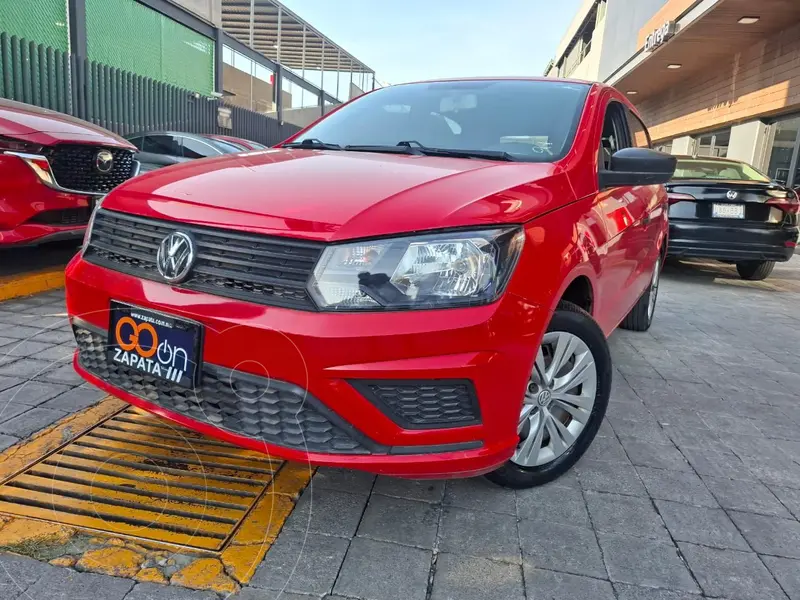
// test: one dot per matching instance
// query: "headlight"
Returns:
(15, 145)
(428, 271)
(90, 225)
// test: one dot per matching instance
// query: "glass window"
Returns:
(713, 144)
(697, 168)
(532, 120)
(783, 148)
(193, 148)
(664, 147)
(639, 135)
(614, 135)
(227, 55)
(162, 144)
(263, 73)
(137, 141)
(241, 62)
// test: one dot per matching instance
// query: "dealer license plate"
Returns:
(154, 343)
(727, 211)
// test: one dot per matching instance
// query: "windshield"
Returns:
(697, 168)
(530, 120)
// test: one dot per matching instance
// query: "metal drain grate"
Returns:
(136, 475)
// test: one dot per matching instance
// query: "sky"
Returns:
(408, 40)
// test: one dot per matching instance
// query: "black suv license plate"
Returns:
(154, 343)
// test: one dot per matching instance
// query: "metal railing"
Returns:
(121, 101)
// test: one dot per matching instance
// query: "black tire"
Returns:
(571, 319)
(641, 316)
(755, 270)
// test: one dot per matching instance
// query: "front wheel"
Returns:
(755, 270)
(564, 403)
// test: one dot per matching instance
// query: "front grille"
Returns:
(66, 216)
(264, 409)
(265, 270)
(73, 167)
(426, 404)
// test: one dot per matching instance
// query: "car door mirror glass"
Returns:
(638, 166)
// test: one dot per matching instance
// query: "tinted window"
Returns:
(717, 169)
(532, 120)
(639, 135)
(162, 144)
(137, 141)
(256, 145)
(193, 148)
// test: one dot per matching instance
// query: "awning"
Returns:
(282, 36)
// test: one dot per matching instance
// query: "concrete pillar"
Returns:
(747, 142)
(682, 145)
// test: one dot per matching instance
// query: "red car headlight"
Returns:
(15, 145)
(440, 270)
(29, 154)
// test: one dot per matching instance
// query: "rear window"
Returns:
(531, 120)
(717, 169)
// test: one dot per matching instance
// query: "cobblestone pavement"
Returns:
(692, 487)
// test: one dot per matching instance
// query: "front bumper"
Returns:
(721, 241)
(33, 213)
(320, 365)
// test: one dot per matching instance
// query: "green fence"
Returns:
(133, 37)
(119, 100)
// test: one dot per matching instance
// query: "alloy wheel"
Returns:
(558, 400)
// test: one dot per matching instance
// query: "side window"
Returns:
(639, 135)
(193, 148)
(162, 144)
(137, 141)
(615, 134)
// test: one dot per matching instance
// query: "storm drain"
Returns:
(136, 475)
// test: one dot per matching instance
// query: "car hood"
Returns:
(47, 127)
(334, 195)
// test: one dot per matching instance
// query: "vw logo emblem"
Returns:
(103, 161)
(732, 195)
(544, 397)
(175, 257)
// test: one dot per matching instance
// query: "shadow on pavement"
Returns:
(14, 261)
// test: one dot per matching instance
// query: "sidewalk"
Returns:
(692, 488)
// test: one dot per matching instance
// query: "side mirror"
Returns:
(638, 166)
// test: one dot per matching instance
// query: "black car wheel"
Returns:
(564, 403)
(641, 316)
(754, 270)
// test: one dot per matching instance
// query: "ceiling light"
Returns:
(674, 66)
(631, 92)
(749, 20)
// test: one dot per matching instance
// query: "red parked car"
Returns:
(420, 284)
(52, 169)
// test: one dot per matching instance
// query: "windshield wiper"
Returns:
(313, 144)
(398, 149)
(455, 153)
(415, 148)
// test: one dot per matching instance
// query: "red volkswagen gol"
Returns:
(52, 169)
(420, 284)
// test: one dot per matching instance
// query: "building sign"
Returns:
(660, 36)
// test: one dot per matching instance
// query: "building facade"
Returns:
(710, 77)
(256, 53)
